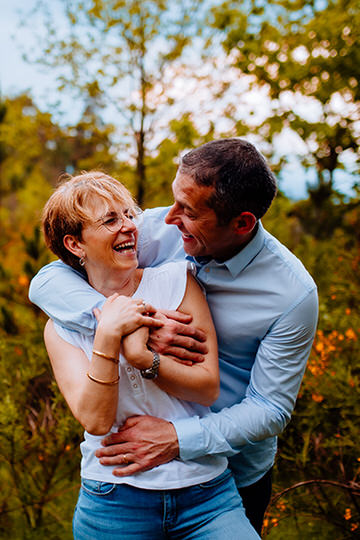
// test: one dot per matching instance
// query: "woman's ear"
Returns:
(73, 245)
(244, 223)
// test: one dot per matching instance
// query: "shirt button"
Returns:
(128, 368)
(207, 269)
(192, 267)
(135, 385)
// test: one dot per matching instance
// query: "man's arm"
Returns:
(271, 395)
(66, 297)
(275, 380)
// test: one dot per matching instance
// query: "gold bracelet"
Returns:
(102, 355)
(106, 383)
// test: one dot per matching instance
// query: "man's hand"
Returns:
(142, 443)
(177, 338)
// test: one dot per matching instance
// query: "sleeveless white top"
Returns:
(164, 288)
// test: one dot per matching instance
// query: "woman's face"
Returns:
(109, 240)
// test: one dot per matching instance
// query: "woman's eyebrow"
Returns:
(110, 213)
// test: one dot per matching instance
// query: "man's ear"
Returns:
(244, 223)
(73, 245)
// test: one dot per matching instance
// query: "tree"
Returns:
(306, 55)
(117, 52)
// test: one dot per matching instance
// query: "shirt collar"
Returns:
(239, 261)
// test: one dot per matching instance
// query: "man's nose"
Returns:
(171, 216)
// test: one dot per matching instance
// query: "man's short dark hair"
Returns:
(242, 180)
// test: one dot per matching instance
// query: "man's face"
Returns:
(201, 234)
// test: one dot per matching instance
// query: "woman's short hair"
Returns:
(71, 205)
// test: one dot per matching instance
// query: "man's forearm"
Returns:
(226, 432)
(66, 297)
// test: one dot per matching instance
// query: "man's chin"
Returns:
(191, 246)
(192, 251)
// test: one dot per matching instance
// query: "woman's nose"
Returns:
(128, 224)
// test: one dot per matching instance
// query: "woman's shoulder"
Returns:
(170, 268)
(165, 284)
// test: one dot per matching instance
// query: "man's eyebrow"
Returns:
(187, 206)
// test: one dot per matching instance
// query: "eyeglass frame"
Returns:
(120, 218)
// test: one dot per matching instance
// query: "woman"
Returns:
(107, 377)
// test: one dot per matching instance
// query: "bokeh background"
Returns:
(127, 86)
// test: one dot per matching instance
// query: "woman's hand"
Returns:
(122, 315)
(135, 350)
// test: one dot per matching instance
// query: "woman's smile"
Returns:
(125, 248)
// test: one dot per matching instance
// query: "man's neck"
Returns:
(245, 240)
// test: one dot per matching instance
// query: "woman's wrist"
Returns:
(107, 347)
(100, 354)
(140, 359)
(107, 344)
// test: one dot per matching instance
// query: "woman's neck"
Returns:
(108, 285)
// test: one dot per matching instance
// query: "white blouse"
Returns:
(164, 288)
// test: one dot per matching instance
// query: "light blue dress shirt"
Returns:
(264, 306)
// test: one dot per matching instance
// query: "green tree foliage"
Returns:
(117, 52)
(39, 455)
(35, 152)
(26, 136)
(39, 439)
(162, 166)
(306, 54)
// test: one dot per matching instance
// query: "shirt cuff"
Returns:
(190, 436)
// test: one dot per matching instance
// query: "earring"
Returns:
(82, 261)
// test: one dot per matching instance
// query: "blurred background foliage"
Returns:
(142, 64)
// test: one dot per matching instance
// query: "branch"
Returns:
(352, 487)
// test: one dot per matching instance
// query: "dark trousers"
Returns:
(256, 499)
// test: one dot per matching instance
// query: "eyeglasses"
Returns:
(114, 222)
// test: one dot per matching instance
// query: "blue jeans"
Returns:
(211, 511)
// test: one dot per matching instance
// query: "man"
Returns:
(264, 306)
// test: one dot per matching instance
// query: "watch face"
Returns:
(151, 372)
(148, 373)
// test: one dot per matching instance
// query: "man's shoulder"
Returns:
(158, 242)
(155, 214)
(288, 263)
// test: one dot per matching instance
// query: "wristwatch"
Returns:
(151, 372)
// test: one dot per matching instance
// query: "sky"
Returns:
(16, 76)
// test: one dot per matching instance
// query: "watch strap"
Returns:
(152, 371)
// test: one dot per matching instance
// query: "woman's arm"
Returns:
(92, 402)
(93, 405)
(198, 382)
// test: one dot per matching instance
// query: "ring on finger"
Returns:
(125, 459)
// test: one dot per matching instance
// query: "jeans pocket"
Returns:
(218, 480)
(95, 487)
